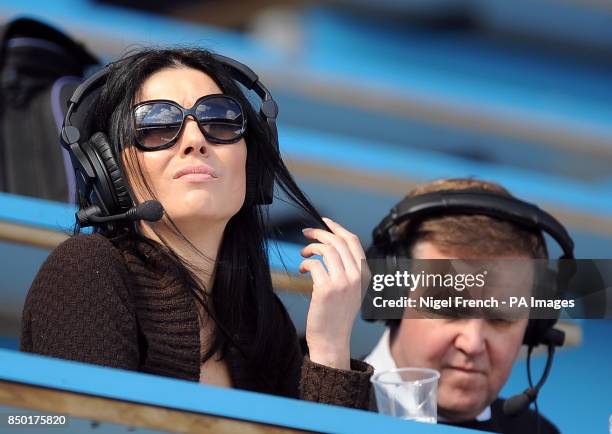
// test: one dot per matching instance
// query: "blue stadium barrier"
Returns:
(165, 393)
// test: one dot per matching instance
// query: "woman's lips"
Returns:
(196, 173)
(196, 177)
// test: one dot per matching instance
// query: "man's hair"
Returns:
(471, 235)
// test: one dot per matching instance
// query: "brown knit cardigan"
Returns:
(97, 302)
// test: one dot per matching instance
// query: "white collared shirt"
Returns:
(381, 360)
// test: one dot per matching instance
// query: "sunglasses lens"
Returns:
(157, 124)
(222, 118)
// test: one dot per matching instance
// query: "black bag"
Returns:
(39, 69)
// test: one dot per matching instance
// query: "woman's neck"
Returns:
(206, 237)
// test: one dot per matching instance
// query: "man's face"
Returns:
(474, 356)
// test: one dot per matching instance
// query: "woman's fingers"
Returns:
(319, 275)
(354, 244)
(352, 240)
(331, 258)
(349, 264)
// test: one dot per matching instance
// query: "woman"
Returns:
(190, 296)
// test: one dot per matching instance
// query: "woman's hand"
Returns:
(336, 293)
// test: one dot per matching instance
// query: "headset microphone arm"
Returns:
(150, 210)
(518, 403)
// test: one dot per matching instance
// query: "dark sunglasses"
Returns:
(158, 123)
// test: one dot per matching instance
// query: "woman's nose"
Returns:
(192, 139)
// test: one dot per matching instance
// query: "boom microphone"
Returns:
(150, 210)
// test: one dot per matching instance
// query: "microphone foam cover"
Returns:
(150, 210)
(516, 404)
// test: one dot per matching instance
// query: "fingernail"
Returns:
(306, 229)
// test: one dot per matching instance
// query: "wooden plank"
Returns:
(126, 413)
(31, 236)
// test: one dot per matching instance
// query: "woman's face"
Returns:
(216, 196)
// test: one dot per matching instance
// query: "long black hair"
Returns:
(247, 313)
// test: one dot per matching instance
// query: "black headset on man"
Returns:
(482, 202)
(98, 175)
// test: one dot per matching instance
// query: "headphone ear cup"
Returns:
(372, 253)
(383, 262)
(536, 331)
(120, 199)
(530, 336)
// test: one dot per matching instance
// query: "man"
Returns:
(473, 355)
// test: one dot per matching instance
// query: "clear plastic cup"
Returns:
(408, 393)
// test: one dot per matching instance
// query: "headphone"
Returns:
(97, 172)
(387, 241)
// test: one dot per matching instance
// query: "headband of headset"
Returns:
(470, 201)
(73, 130)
